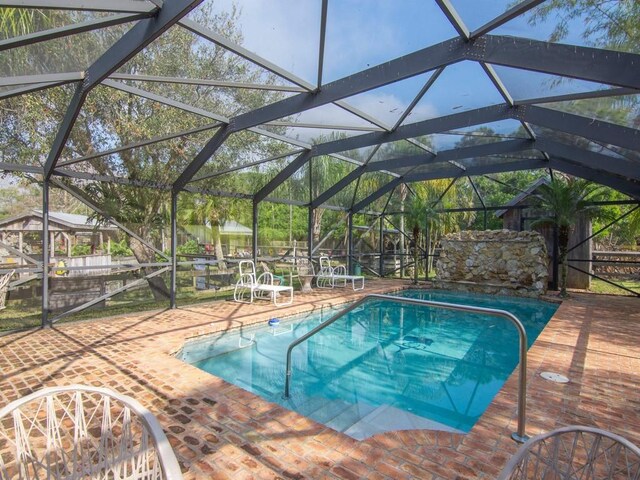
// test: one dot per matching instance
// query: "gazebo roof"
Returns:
(69, 221)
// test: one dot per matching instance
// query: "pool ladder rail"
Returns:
(518, 436)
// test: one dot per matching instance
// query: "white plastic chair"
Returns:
(573, 453)
(80, 432)
(250, 286)
(330, 277)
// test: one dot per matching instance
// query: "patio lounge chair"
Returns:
(81, 432)
(258, 287)
(331, 277)
(574, 452)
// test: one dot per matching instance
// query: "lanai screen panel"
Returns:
(322, 77)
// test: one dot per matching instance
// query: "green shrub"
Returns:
(190, 247)
(121, 249)
(80, 249)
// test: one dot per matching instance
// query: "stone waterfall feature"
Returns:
(500, 262)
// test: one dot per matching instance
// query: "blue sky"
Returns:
(364, 33)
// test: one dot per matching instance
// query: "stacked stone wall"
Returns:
(501, 262)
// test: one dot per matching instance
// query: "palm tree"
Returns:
(206, 209)
(563, 200)
(419, 214)
(422, 213)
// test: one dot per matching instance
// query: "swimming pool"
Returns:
(385, 366)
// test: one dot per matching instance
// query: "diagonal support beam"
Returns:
(142, 143)
(128, 286)
(77, 193)
(623, 185)
(227, 44)
(96, 177)
(584, 63)
(441, 124)
(454, 18)
(20, 254)
(164, 100)
(424, 60)
(449, 122)
(496, 148)
(449, 172)
(34, 87)
(338, 186)
(589, 128)
(566, 122)
(44, 78)
(67, 30)
(205, 154)
(285, 173)
(510, 14)
(246, 165)
(609, 92)
(20, 167)
(205, 82)
(483, 150)
(596, 161)
(126, 6)
(132, 42)
(377, 194)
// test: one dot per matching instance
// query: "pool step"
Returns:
(361, 420)
(336, 414)
(388, 418)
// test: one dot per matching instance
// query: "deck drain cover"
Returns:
(554, 377)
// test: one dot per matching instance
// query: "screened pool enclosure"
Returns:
(310, 124)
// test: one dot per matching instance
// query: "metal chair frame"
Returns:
(572, 453)
(78, 432)
(252, 286)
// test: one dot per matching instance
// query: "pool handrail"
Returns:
(518, 436)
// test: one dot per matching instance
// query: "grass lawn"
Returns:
(27, 313)
(598, 286)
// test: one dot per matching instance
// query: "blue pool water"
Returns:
(385, 366)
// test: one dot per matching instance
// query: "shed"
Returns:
(234, 236)
(518, 217)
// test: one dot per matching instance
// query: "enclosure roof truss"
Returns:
(480, 46)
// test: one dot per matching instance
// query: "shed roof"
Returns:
(524, 194)
(231, 227)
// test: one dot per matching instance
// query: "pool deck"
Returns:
(220, 431)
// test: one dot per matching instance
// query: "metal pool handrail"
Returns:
(518, 436)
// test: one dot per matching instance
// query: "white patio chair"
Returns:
(250, 286)
(572, 453)
(81, 432)
(331, 277)
(4, 288)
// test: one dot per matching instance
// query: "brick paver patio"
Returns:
(220, 431)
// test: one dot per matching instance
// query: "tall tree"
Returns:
(112, 117)
(606, 23)
(422, 214)
(562, 201)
